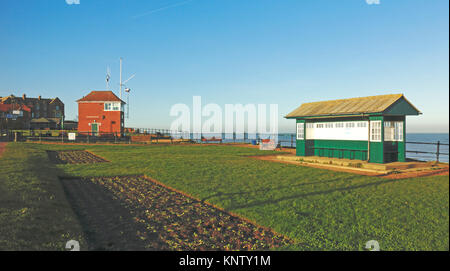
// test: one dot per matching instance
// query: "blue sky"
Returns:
(230, 51)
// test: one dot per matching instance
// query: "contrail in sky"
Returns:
(162, 8)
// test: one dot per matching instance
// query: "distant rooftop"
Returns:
(100, 96)
(25, 98)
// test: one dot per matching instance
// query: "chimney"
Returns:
(24, 96)
(39, 97)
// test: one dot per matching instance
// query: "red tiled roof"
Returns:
(26, 108)
(9, 107)
(100, 96)
(4, 107)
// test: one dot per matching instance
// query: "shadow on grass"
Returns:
(35, 212)
(279, 188)
(304, 195)
(107, 222)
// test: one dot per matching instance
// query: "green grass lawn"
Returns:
(34, 212)
(319, 209)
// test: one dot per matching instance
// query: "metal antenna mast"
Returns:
(121, 84)
(127, 90)
(108, 77)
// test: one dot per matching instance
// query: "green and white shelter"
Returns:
(368, 128)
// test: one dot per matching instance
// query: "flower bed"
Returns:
(174, 221)
(74, 157)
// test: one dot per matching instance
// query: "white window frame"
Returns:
(116, 107)
(398, 131)
(300, 131)
(112, 106)
(375, 131)
(107, 107)
(393, 131)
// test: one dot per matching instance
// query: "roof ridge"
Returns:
(355, 98)
(349, 106)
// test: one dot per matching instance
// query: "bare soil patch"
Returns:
(442, 171)
(74, 157)
(2, 147)
(141, 214)
(423, 173)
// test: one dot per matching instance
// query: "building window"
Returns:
(361, 124)
(57, 107)
(375, 131)
(393, 131)
(300, 131)
(112, 107)
(398, 131)
(319, 125)
(310, 125)
(329, 125)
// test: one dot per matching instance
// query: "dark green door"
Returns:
(94, 129)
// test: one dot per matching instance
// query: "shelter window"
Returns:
(350, 125)
(300, 131)
(375, 131)
(393, 131)
(398, 126)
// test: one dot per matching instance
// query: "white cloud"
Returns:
(373, 2)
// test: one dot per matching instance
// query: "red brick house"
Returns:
(14, 116)
(32, 113)
(101, 113)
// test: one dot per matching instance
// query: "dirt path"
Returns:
(2, 147)
(414, 174)
(402, 175)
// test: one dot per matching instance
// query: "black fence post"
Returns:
(437, 151)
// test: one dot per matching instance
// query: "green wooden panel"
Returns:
(300, 144)
(347, 149)
(402, 144)
(401, 107)
(300, 148)
(377, 148)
